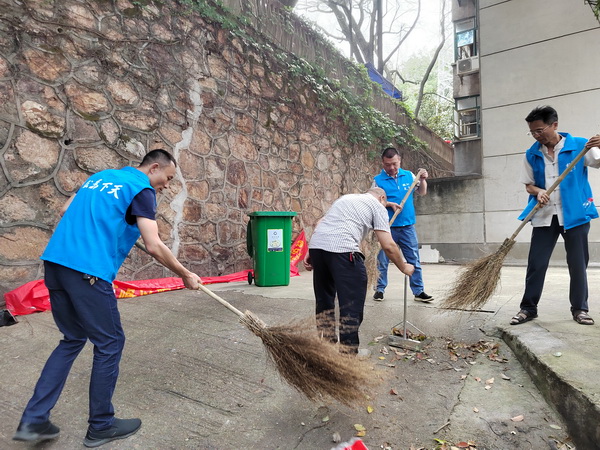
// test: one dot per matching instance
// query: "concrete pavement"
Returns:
(188, 362)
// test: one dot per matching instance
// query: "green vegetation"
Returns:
(595, 8)
(437, 106)
(366, 125)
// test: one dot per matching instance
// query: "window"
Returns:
(465, 37)
(467, 118)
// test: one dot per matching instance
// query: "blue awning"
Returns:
(387, 87)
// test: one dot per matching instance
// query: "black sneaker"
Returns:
(120, 429)
(36, 431)
(423, 297)
(378, 296)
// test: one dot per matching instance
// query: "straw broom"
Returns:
(313, 366)
(371, 248)
(478, 281)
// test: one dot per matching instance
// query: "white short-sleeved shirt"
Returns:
(543, 218)
(347, 223)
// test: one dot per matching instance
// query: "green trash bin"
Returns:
(269, 239)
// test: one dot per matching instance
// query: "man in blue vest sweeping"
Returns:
(99, 226)
(566, 212)
(396, 182)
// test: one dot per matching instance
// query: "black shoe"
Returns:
(423, 297)
(120, 429)
(36, 431)
(378, 296)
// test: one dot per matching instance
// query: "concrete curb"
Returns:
(559, 373)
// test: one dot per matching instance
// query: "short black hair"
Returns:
(390, 152)
(160, 156)
(546, 114)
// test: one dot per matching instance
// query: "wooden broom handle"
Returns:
(412, 186)
(550, 190)
(226, 304)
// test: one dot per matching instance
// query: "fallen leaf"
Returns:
(518, 418)
(369, 409)
(336, 437)
(463, 445)
(359, 427)
(378, 338)
(505, 377)
(325, 419)
(382, 357)
(361, 433)
(393, 392)
(556, 427)
(384, 350)
(490, 381)
(558, 354)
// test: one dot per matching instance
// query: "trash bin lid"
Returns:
(273, 213)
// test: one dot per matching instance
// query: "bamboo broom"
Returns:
(478, 281)
(313, 366)
(372, 247)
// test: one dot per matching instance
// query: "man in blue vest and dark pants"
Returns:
(566, 212)
(99, 226)
(396, 182)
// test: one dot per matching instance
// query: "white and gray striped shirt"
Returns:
(347, 223)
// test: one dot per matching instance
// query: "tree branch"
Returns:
(434, 59)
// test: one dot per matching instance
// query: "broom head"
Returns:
(478, 281)
(314, 366)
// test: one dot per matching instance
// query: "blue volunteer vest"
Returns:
(395, 189)
(575, 191)
(93, 237)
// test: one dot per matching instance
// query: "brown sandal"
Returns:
(522, 317)
(583, 318)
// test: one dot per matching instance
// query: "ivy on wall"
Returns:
(366, 125)
(595, 8)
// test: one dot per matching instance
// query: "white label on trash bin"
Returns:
(275, 240)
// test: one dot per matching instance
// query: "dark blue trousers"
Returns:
(343, 274)
(543, 241)
(81, 311)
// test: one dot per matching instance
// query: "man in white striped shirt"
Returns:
(334, 254)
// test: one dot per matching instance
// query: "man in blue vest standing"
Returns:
(99, 225)
(566, 212)
(396, 182)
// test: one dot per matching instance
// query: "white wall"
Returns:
(532, 53)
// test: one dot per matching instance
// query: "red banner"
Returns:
(298, 250)
(33, 296)
(29, 298)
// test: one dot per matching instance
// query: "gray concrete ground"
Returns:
(199, 379)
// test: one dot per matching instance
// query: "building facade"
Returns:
(510, 56)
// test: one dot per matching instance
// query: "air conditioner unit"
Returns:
(467, 65)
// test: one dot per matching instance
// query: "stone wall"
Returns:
(90, 85)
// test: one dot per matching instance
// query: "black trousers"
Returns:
(343, 274)
(543, 241)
